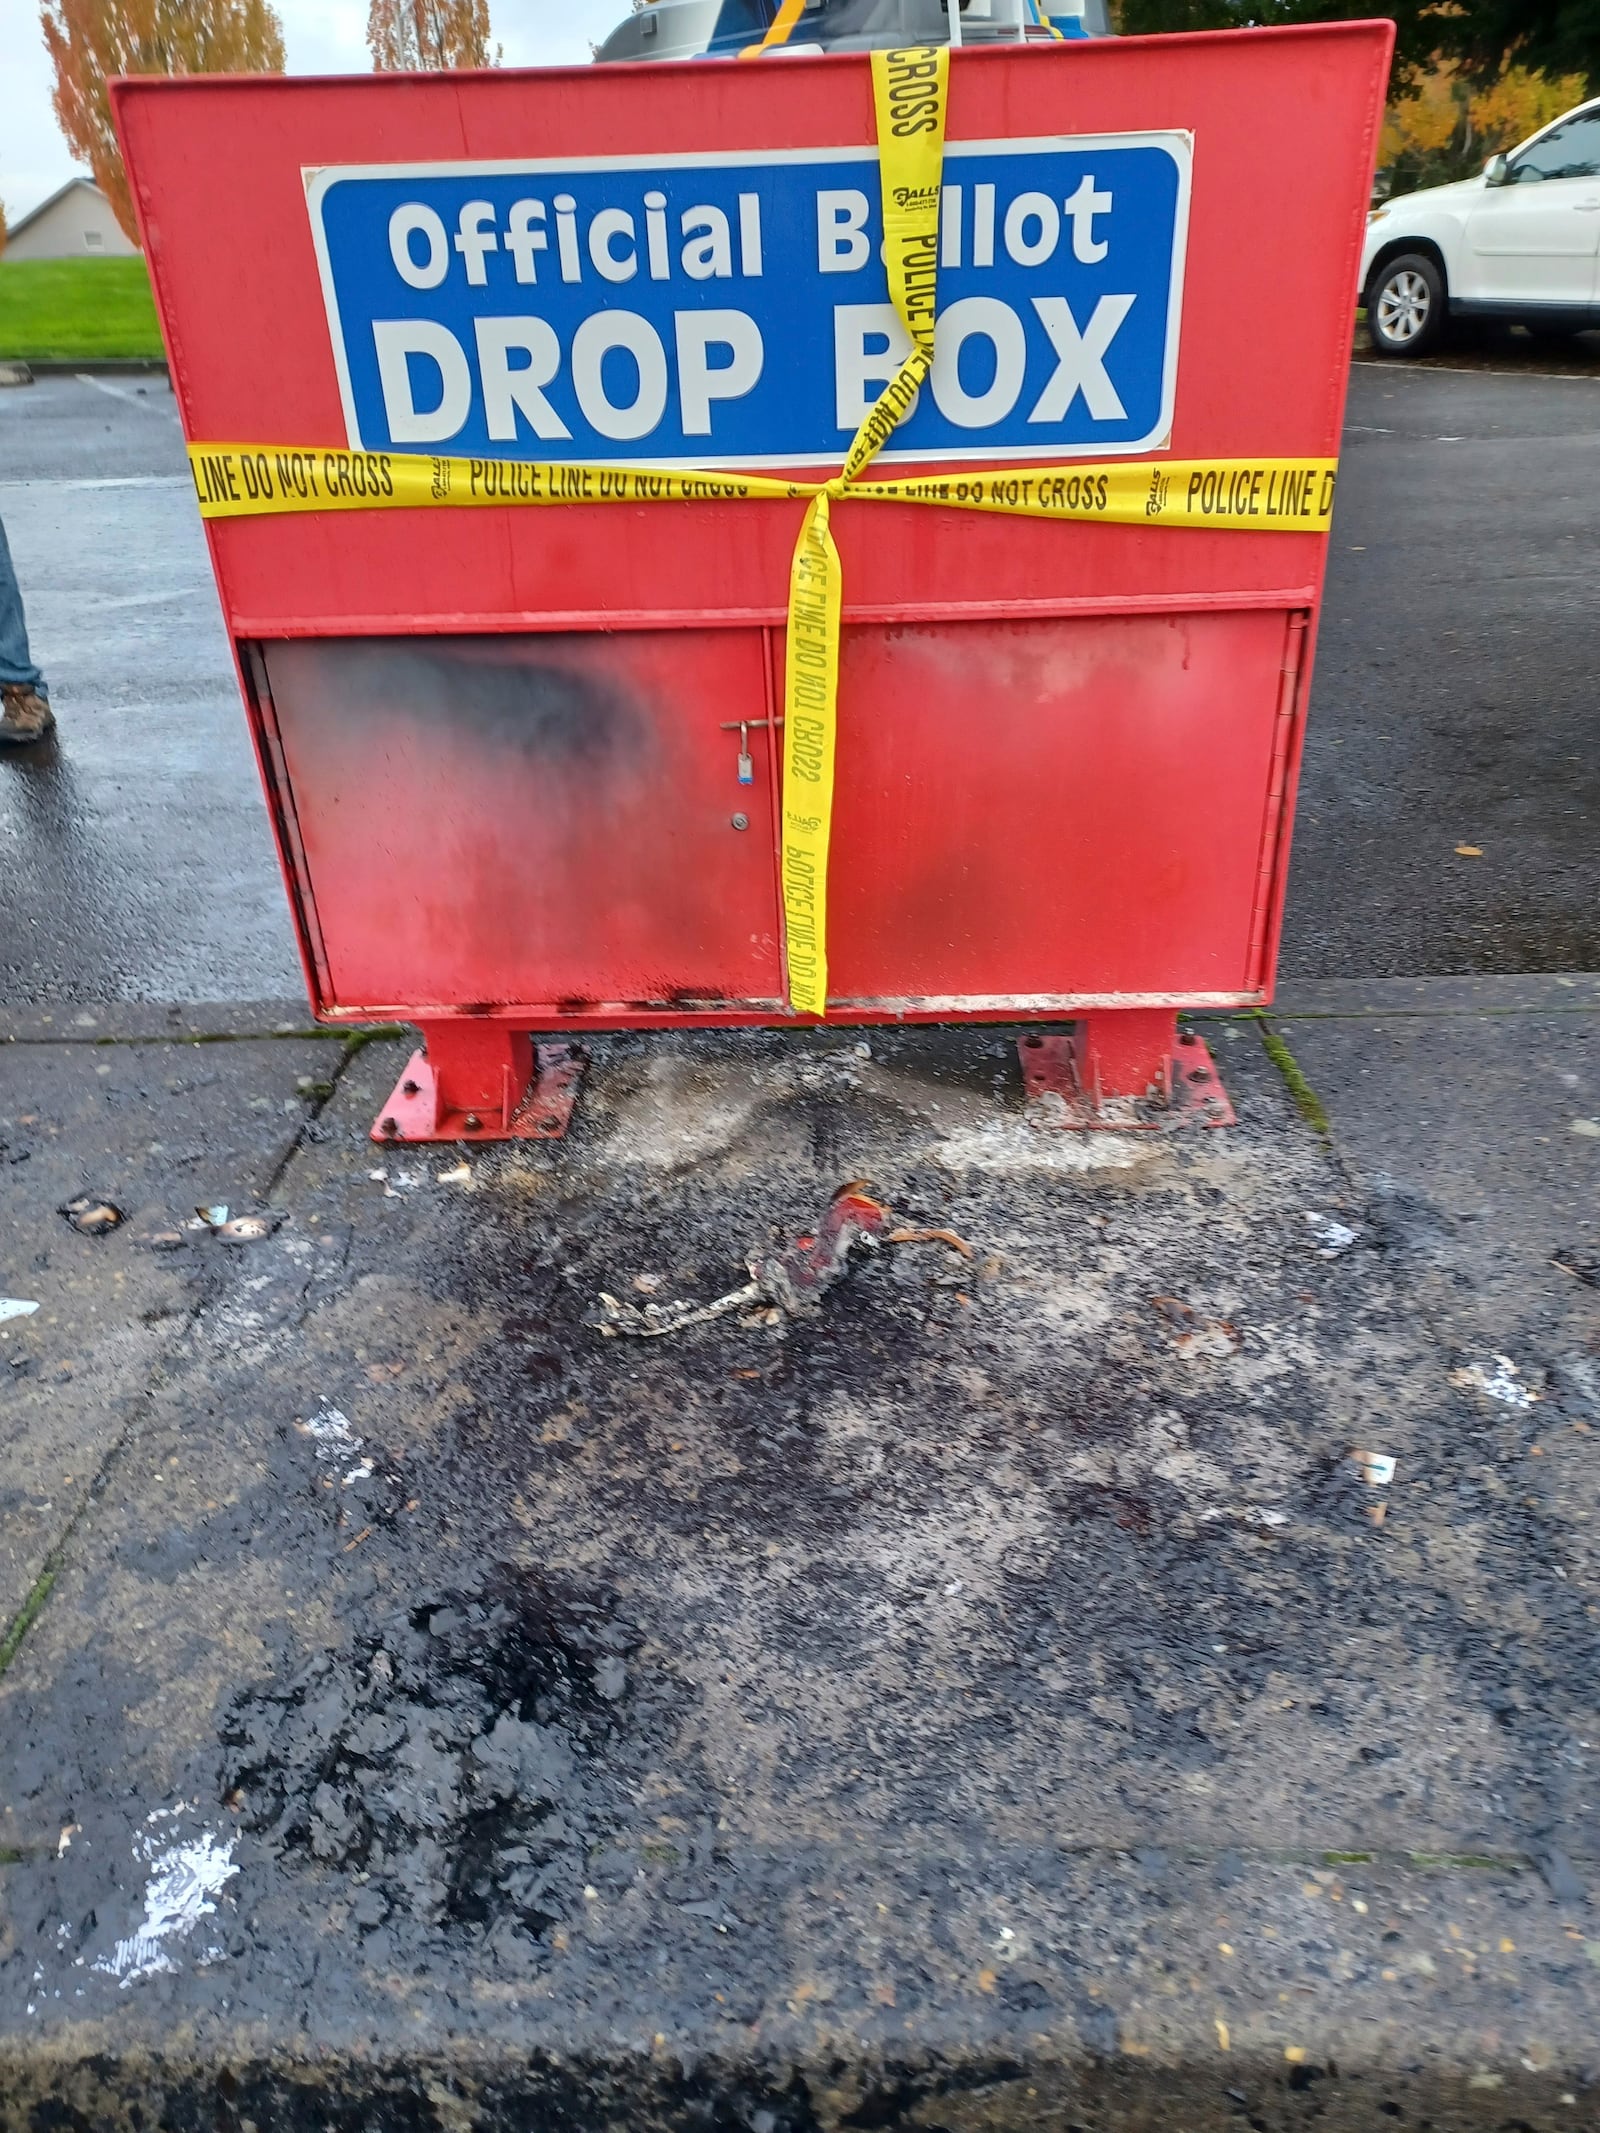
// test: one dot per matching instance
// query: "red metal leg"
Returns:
(1126, 1054)
(483, 1081)
(1123, 1070)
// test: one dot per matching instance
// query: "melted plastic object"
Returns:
(784, 1281)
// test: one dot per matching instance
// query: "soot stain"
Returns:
(462, 1760)
(516, 696)
(867, 1339)
(1172, 1610)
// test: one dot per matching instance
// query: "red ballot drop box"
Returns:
(523, 759)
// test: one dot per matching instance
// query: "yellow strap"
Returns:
(811, 681)
(778, 33)
(910, 97)
(1220, 495)
(911, 101)
(248, 480)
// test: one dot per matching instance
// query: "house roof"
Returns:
(15, 229)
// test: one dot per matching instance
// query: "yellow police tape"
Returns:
(910, 96)
(1263, 495)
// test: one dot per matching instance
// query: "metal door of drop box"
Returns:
(496, 741)
(538, 819)
(987, 862)
(557, 821)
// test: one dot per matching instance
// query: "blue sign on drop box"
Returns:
(733, 310)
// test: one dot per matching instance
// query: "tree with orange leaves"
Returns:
(433, 36)
(92, 41)
(1444, 125)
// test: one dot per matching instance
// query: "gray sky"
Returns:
(323, 37)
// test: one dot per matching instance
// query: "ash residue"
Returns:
(461, 1763)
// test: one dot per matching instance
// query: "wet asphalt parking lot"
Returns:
(1454, 700)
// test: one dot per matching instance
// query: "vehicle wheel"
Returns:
(1406, 305)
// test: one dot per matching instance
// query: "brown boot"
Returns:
(25, 717)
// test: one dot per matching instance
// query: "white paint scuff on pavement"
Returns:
(331, 1435)
(14, 1307)
(1502, 1381)
(1329, 1235)
(183, 1880)
(1253, 1514)
(395, 1186)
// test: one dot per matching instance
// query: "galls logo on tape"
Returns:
(733, 310)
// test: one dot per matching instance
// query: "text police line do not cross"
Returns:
(688, 309)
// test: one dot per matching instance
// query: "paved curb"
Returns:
(1537, 994)
(72, 367)
(1014, 2081)
(153, 1022)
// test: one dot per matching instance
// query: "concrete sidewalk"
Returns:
(990, 1699)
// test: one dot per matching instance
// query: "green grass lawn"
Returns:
(74, 310)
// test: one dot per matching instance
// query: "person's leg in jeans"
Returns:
(25, 713)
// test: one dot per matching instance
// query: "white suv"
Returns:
(1521, 242)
